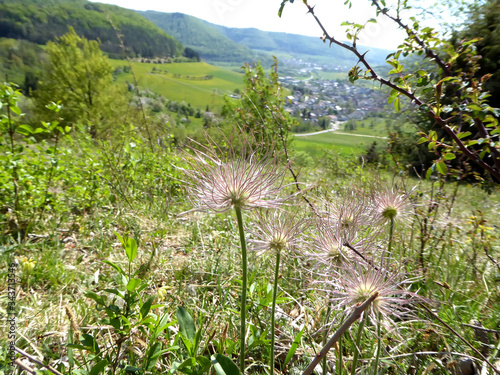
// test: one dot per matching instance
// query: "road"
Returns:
(336, 132)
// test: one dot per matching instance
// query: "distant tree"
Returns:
(77, 75)
(260, 111)
(191, 54)
(30, 83)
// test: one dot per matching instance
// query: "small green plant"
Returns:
(127, 310)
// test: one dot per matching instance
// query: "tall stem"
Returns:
(356, 349)
(273, 309)
(379, 344)
(326, 336)
(243, 287)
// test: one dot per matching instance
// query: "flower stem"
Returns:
(356, 349)
(379, 344)
(391, 233)
(325, 338)
(273, 309)
(339, 362)
(243, 287)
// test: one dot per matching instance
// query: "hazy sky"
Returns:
(263, 14)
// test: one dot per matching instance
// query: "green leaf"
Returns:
(441, 167)
(224, 365)
(131, 249)
(122, 241)
(98, 367)
(449, 156)
(115, 266)
(89, 343)
(294, 347)
(186, 323)
(204, 362)
(394, 94)
(397, 105)
(147, 306)
(25, 129)
(99, 299)
(133, 284)
(16, 110)
(429, 172)
(132, 369)
(422, 140)
(463, 135)
(153, 355)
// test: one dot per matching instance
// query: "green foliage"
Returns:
(135, 312)
(36, 22)
(450, 94)
(260, 110)
(483, 25)
(78, 75)
(30, 163)
(20, 59)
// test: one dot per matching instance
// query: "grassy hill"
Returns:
(40, 21)
(184, 81)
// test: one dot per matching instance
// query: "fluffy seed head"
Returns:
(276, 230)
(389, 204)
(357, 282)
(219, 180)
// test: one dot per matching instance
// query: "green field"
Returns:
(346, 145)
(347, 142)
(189, 86)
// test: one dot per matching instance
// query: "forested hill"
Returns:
(208, 41)
(220, 43)
(40, 21)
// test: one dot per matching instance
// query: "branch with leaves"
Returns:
(455, 101)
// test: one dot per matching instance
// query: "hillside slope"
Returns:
(208, 41)
(40, 21)
(220, 43)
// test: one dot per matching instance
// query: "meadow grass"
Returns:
(346, 145)
(199, 93)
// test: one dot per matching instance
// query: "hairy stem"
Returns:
(379, 345)
(273, 309)
(356, 349)
(239, 217)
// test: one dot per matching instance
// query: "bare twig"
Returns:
(338, 334)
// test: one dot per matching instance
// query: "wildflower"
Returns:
(27, 265)
(276, 231)
(240, 181)
(350, 209)
(331, 240)
(220, 183)
(391, 205)
(355, 283)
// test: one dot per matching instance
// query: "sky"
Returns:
(263, 15)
